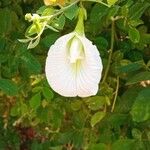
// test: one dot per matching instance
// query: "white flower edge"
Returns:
(61, 75)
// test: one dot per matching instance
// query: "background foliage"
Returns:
(33, 117)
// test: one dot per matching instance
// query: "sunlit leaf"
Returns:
(34, 44)
(111, 2)
(96, 102)
(97, 117)
(24, 40)
(134, 35)
(35, 101)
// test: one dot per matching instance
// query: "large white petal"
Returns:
(89, 75)
(73, 79)
(58, 68)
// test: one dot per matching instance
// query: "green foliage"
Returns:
(123, 145)
(141, 108)
(8, 87)
(71, 12)
(134, 35)
(97, 117)
(33, 116)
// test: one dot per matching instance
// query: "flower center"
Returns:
(76, 50)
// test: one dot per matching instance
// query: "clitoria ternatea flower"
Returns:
(73, 65)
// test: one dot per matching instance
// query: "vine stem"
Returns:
(60, 11)
(116, 93)
(65, 8)
(111, 50)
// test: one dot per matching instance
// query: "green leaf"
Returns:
(59, 22)
(137, 134)
(24, 40)
(31, 63)
(45, 11)
(124, 10)
(41, 10)
(23, 108)
(2, 45)
(99, 146)
(6, 21)
(112, 12)
(124, 104)
(125, 144)
(97, 117)
(142, 76)
(101, 43)
(48, 94)
(48, 40)
(111, 2)
(31, 30)
(96, 102)
(141, 108)
(135, 23)
(33, 44)
(9, 87)
(117, 56)
(137, 10)
(43, 114)
(36, 146)
(3, 58)
(65, 137)
(35, 101)
(97, 12)
(15, 110)
(145, 38)
(76, 105)
(37, 89)
(79, 117)
(116, 119)
(134, 35)
(71, 12)
(77, 138)
(131, 67)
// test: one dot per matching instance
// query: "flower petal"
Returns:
(91, 68)
(59, 70)
(73, 79)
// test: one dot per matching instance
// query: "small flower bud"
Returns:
(28, 17)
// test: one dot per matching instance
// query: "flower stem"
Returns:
(110, 51)
(116, 94)
(80, 24)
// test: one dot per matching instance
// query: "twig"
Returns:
(60, 11)
(110, 51)
(116, 94)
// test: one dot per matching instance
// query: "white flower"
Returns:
(73, 66)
